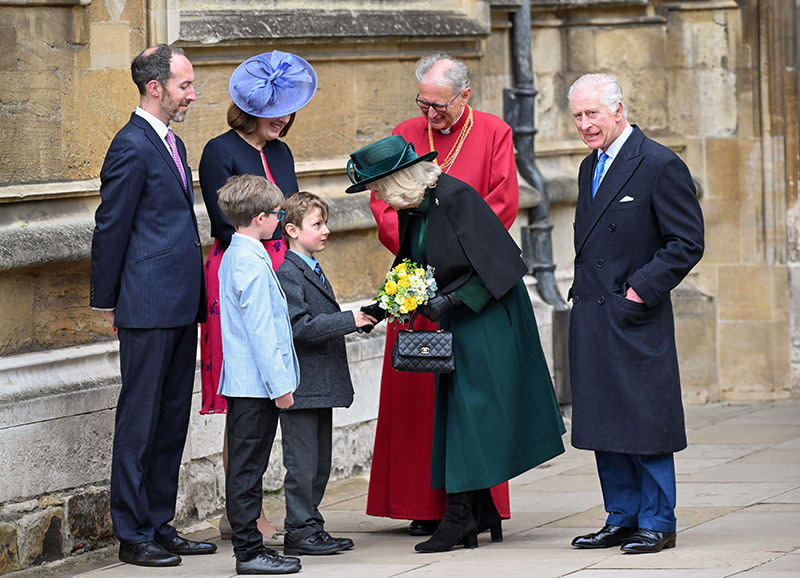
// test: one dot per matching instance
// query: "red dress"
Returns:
(210, 333)
(400, 479)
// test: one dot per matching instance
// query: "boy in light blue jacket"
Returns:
(259, 369)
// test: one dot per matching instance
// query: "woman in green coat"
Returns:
(496, 415)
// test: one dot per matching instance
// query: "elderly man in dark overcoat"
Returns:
(638, 233)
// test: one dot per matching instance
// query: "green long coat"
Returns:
(496, 416)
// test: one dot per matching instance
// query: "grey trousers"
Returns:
(306, 436)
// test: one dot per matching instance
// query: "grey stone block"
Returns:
(223, 26)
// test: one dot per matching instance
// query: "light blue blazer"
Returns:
(258, 357)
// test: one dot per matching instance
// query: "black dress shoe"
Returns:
(606, 537)
(268, 561)
(345, 543)
(648, 542)
(184, 547)
(318, 544)
(147, 554)
(423, 527)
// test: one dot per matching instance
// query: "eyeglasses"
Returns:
(280, 213)
(424, 105)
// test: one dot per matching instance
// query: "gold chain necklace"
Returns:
(462, 136)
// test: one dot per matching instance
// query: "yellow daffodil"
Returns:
(410, 303)
(400, 267)
(390, 287)
(404, 283)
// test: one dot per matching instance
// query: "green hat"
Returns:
(380, 159)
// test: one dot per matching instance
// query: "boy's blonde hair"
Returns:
(244, 196)
(300, 204)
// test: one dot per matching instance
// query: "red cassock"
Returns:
(400, 479)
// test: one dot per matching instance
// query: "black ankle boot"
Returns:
(457, 525)
(486, 514)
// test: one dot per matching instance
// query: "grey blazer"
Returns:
(319, 326)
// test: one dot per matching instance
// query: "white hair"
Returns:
(406, 188)
(611, 90)
(454, 76)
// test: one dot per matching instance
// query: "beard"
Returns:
(171, 108)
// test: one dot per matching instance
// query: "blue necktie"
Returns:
(599, 170)
(318, 271)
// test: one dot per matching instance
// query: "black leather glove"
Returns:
(374, 310)
(438, 304)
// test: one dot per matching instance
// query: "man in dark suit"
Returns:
(147, 277)
(638, 233)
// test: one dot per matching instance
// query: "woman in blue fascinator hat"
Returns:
(267, 90)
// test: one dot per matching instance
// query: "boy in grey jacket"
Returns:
(319, 326)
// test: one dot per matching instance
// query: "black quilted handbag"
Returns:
(423, 351)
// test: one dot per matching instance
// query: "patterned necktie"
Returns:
(599, 170)
(318, 271)
(173, 146)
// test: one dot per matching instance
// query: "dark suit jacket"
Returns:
(318, 327)
(624, 366)
(228, 155)
(146, 256)
(464, 236)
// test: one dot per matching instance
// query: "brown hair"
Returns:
(298, 205)
(246, 195)
(246, 122)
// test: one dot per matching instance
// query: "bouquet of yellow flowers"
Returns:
(407, 286)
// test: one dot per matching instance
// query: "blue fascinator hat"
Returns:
(272, 84)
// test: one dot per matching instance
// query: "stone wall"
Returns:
(715, 80)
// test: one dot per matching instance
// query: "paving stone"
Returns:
(687, 466)
(776, 528)
(783, 567)
(744, 471)
(655, 573)
(700, 416)
(572, 483)
(728, 433)
(594, 518)
(793, 444)
(729, 494)
(790, 497)
(718, 451)
(688, 556)
(779, 415)
(772, 456)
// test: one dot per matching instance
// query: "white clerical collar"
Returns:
(450, 128)
(614, 148)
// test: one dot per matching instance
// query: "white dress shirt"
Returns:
(613, 149)
(158, 126)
